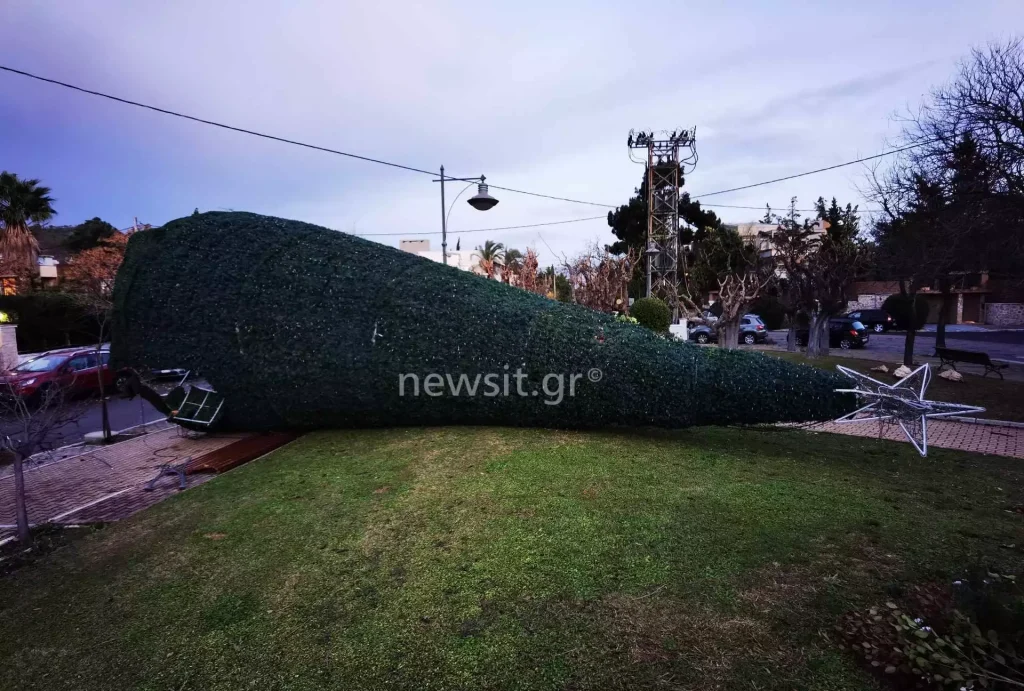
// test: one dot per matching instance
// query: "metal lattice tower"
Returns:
(664, 178)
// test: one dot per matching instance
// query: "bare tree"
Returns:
(99, 307)
(792, 242)
(600, 280)
(954, 202)
(722, 263)
(91, 274)
(815, 265)
(985, 99)
(29, 426)
(524, 273)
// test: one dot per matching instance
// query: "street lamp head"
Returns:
(482, 201)
(652, 250)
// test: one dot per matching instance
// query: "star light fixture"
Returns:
(902, 403)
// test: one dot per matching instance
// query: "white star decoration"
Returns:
(902, 402)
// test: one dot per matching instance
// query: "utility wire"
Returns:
(420, 170)
(215, 124)
(780, 208)
(812, 172)
(615, 206)
(548, 196)
(487, 230)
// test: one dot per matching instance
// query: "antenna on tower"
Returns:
(669, 156)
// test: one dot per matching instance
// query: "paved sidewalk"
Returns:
(106, 483)
(947, 434)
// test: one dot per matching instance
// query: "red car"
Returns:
(73, 370)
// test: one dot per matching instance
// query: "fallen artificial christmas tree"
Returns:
(303, 327)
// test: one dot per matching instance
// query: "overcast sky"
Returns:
(536, 95)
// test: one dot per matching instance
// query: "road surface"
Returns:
(123, 413)
(1007, 346)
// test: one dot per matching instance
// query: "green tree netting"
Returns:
(303, 327)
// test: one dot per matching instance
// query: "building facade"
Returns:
(460, 259)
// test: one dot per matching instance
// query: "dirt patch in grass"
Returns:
(654, 628)
(46, 539)
(658, 641)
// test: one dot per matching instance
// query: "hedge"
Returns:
(50, 319)
(652, 313)
(304, 327)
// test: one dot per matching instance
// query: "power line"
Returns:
(487, 230)
(780, 208)
(548, 196)
(813, 172)
(615, 206)
(215, 124)
(368, 159)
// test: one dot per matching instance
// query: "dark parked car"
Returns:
(752, 330)
(73, 370)
(878, 321)
(843, 332)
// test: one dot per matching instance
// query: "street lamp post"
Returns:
(651, 252)
(481, 201)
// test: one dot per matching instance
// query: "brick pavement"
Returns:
(105, 483)
(948, 434)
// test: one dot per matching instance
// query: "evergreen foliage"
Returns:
(303, 327)
(652, 313)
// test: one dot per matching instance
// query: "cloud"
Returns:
(537, 96)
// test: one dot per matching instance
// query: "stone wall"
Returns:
(1004, 313)
(867, 302)
(8, 346)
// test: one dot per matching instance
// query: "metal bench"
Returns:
(951, 356)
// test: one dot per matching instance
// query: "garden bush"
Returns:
(652, 313)
(304, 327)
(50, 319)
(902, 307)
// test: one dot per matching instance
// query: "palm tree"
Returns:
(513, 262)
(22, 202)
(492, 255)
(513, 258)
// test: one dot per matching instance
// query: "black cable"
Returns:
(216, 124)
(420, 170)
(780, 208)
(811, 172)
(486, 230)
(548, 196)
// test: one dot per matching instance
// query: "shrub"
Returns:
(652, 313)
(902, 307)
(304, 327)
(935, 638)
(48, 319)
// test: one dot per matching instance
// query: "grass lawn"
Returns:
(510, 559)
(1002, 400)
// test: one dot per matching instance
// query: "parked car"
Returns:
(752, 330)
(172, 373)
(878, 321)
(843, 332)
(74, 370)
